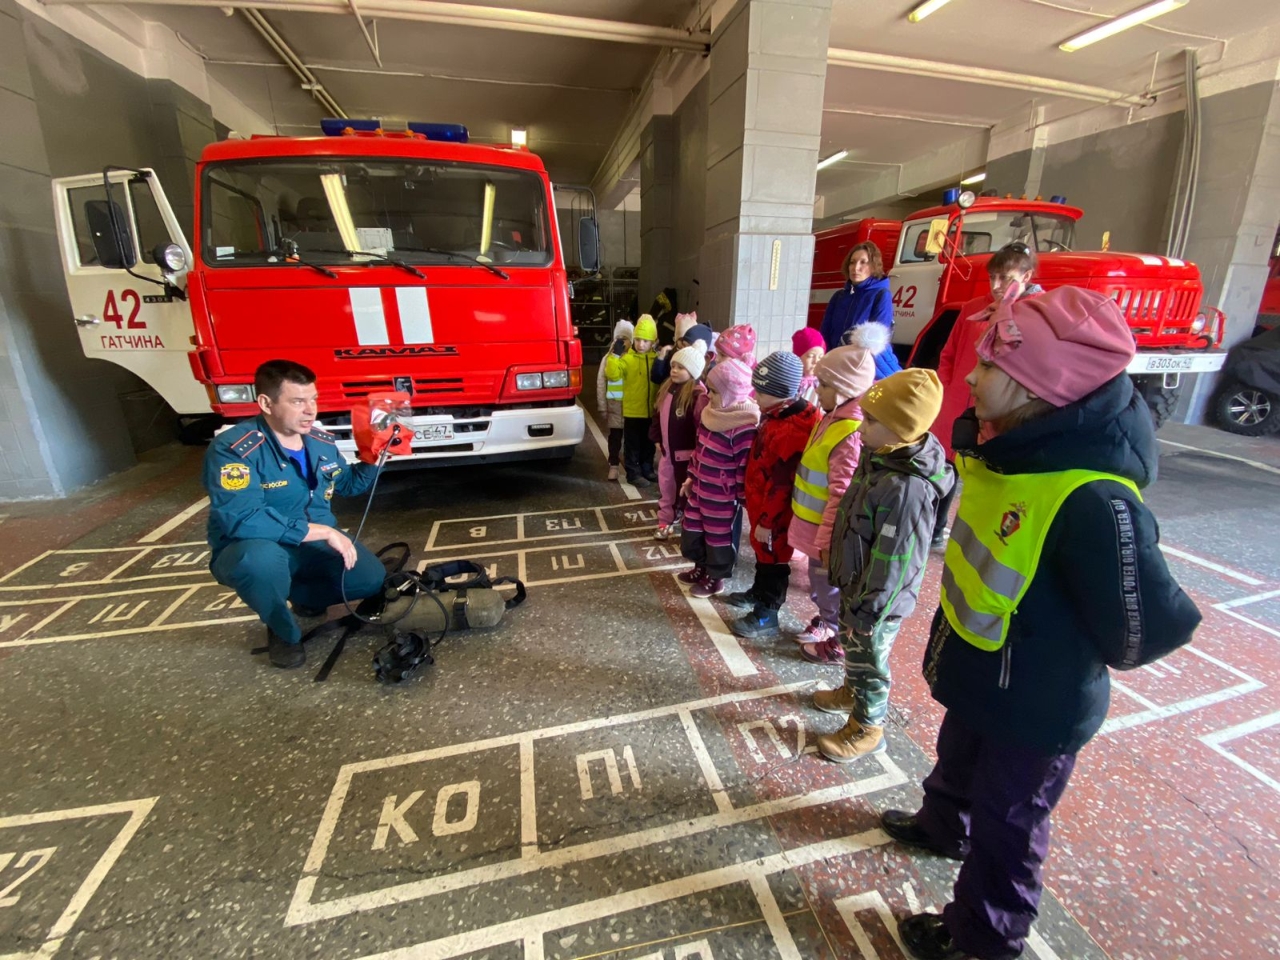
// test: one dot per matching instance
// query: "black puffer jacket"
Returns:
(1075, 617)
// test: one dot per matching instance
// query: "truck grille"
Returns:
(1157, 308)
(422, 387)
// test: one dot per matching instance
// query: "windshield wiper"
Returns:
(289, 251)
(394, 261)
(461, 256)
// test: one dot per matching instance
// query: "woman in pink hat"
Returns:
(1053, 574)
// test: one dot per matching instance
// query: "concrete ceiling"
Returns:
(572, 94)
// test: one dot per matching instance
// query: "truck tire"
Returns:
(1161, 400)
(1246, 411)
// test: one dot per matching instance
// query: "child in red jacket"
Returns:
(786, 420)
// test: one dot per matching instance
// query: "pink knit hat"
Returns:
(738, 343)
(684, 321)
(805, 339)
(731, 379)
(1061, 345)
(851, 370)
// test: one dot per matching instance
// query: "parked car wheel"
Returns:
(1247, 410)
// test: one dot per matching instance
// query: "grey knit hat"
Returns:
(778, 375)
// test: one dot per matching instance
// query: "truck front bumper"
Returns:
(533, 432)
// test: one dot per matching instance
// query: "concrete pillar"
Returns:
(658, 155)
(1236, 211)
(764, 123)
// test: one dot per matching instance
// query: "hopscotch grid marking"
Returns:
(534, 513)
(38, 641)
(848, 908)
(337, 798)
(182, 598)
(175, 522)
(138, 811)
(1253, 623)
(516, 931)
(528, 801)
(67, 605)
(773, 918)
(709, 773)
(726, 644)
(78, 550)
(112, 593)
(1214, 741)
(1211, 565)
(126, 565)
(617, 558)
(167, 575)
(32, 562)
(303, 910)
(1154, 712)
(1246, 601)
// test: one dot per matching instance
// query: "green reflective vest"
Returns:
(996, 541)
(809, 495)
(613, 389)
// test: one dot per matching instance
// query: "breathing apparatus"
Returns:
(460, 594)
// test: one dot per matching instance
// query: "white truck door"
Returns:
(128, 316)
(914, 283)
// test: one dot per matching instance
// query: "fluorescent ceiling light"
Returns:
(1116, 25)
(834, 158)
(976, 178)
(519, 136)
(926, 8)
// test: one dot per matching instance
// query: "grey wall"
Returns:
(1122, 178)
(66, 421)
(689, 194)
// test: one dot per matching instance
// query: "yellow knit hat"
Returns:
(907, 402)
(646, 329)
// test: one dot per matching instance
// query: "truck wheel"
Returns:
(1246, 411)
(1161, 401)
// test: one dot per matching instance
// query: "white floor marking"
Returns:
(1248, 685)
(1211, 565)
(848, 908)
(773, 917)
(1216, 740)
(137, 810)
(528, 802)
(175, 522)
(1040, 948)
(1246, 601)
(1223, 456)
(709, 773)
(1253, 623)
(533, 947)
(628, 489)
(519, 930)
(128, 631)
(913, 898)
(726, 644)
(520, 518)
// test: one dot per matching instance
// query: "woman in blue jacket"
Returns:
(864, 299)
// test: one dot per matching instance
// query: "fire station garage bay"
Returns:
(458, 497)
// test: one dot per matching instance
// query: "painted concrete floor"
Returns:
(608, 774)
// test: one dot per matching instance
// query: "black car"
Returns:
(1247, 400)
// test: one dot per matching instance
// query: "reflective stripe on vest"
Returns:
(996, 542)
(613, 389)
(810, 493)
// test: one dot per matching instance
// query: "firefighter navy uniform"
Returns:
(259, 507)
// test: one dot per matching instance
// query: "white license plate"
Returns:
(434, 431)
(1202, 362)
(1170, 363)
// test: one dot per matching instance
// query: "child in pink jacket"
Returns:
(675, 431)
(844, 375)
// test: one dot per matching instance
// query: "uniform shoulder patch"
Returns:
(322, 436)
(248, 443)
(234, 476)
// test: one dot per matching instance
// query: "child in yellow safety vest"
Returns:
(826, 467)
(633, 367)
(609, 398)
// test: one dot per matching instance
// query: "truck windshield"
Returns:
(986, 231)
(417, 212)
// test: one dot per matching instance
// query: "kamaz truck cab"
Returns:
(406, 261)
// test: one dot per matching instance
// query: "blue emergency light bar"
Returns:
(450, 132)
(1057, 198)
(950, 196)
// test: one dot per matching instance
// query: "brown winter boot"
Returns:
(839, 700)
(851, 742)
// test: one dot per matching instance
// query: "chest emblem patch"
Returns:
(234, 476)
(1011, 522)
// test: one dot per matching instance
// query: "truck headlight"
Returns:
(235, 393)
(171, 257)
(1200, 322)
(555, 379)
(528, 381)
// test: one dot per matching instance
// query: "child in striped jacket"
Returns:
(717, 479)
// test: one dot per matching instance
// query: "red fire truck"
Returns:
(937, 262)
(409, 261)
(1269, 309)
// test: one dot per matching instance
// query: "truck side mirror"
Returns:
(937, 241)
(109, 227)
(589, 245)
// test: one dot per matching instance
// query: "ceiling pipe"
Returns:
(887, 63)
(294, 62)
(373, 44)
(437, 11)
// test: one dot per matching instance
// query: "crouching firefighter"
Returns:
(272, 532)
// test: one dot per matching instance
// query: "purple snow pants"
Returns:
(992, 798)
